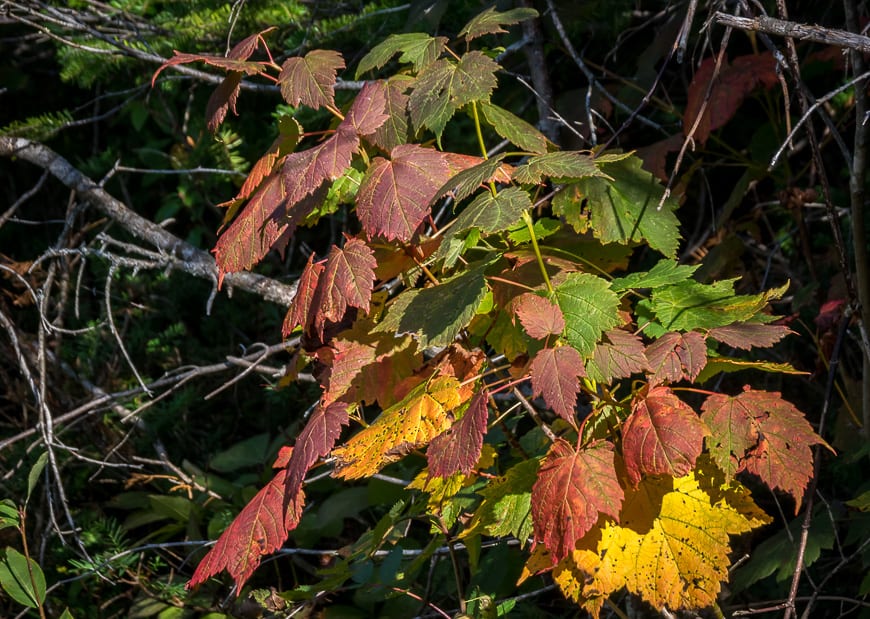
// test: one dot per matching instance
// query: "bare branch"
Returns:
(804, 32)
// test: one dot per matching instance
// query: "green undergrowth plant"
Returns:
(485, 333)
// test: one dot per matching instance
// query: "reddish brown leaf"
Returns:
(619, 356)
(222, 99)
(229, 64)
(247, 46)
(661, 436)
(760, 432)
(260, 528)
(310, 80)
(367, 113)
(343, 360)
(573, 488)
(675, 356)
(304, 171)
(458, 449)
(734, 84)
(300, 307)
(746, 335)
(283, 457)
(347, 280)
(394, 131)
(317, 439)
(539, 316)
(556, 374)
(394, 196)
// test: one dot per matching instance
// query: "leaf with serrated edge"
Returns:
(727, 364)
(412, 423)
(394, 196)
(458, 449)
(310, 79)
(471, 178)
(622, 355)
(625, 209)
(346, 280)
(416, 48)
(661, 436)
(300, 307)
(368, 111)
(496, 213)
(573, 488)
(514, 129)
(491, 21)
(675, 356)
(230, 64)
(316, 440)
(747, 335)
(507, 503)
(540, 317)
(394, 131)
(445, 86)
(589, 307)
(261, 528)
(223, 99)
(556, 375)
(561, 166)
(759, 432)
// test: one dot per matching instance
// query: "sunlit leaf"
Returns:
(561, 166)
(747, 335)
(310, 79)
(619, 355)
(664, 273)
(416, 48)
(540, 317)
(493, 213)
(316, 440)
(675, 356)
(514, 129)
(300, 307)
(507, 504)
(458, 449)
(556, 375)
(589, 307)
(491, 21)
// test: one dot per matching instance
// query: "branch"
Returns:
(191, 260)
(804, 32)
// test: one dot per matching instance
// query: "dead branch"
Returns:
(803, 32)
(189, 259)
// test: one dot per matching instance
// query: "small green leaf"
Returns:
(35, 472)
(562, 166)
(514, 129)
(861, 502)
(25, 586)
(66, 614)
(416, 48)
(590, 309)
(8, 514)
(507, 503)
(491, 21)
(625, 209)
(664, 273)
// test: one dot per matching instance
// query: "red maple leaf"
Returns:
(556, 375)
(261, 528)
(620, 355)
(759, 432)
(317, 439)
(368, 111)
(573, 488)
(394, 196)
(661, 436)
(310, 79)
(300, 307)
(675, 356)
(539, 316)
(746, 335)
(346, 280)
(458, 449)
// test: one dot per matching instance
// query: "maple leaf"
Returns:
(573, 488)
(491, 21)
(223, 99)
(625, 208)
(561, 166)
(316, 440)
(506, 508)
(310, 79)
(733, 84)
(289, 133)
(539, 316)
(493, 213)
(620, 356)
(661, 436)
(416, 48)
(556, 374)
(458, 449)
(675, 356)
(747, 335)
(394, 196)
(473, 173)
(670, 547)
(761, 433)
(589, 307)
(260, 528)
(664, 273)
(514, 129)
(420, 416)
(367, 113)
(343, 361)
(445, 86)
(300, 306)
(346, 280)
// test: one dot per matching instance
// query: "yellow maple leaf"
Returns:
(420, 416)
(670, 547)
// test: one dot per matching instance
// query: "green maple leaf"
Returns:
(416, 48)
(665, 272)
(494, 213)
(589, 307)
(491, 21)
(445, 86)
(515, 129)
(625, 209)
(507, 504)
